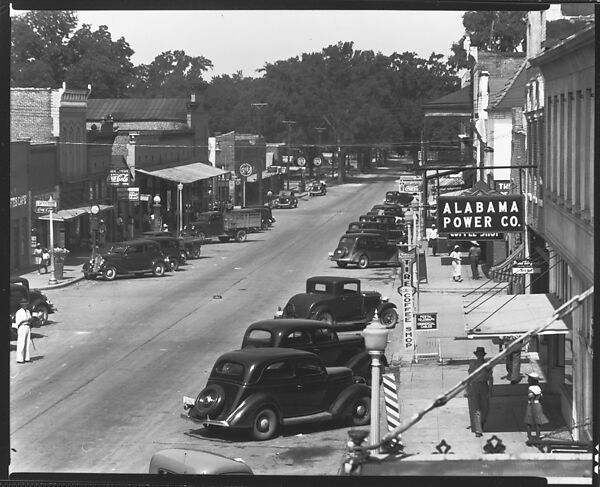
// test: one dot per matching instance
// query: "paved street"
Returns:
(105, 388)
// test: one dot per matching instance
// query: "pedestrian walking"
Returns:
(479, 391)
(513, 362)
(23, 320)
(432, 239)
(474, 258)
(102, 233)
(534, 414)
(38, 254)
(456, 260)
(45, 259)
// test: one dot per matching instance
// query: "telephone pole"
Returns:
(289, 124)
(259, 173)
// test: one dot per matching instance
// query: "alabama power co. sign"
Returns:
(480, 214)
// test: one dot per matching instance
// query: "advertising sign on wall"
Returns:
(426, 321)
(476, 236)
(480, 214)
(406, 294)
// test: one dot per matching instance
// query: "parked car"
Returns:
(266, 215)
(340, 302)
(395, 210)
(190, 244)
(285, 199)
(262, 389)
(39, 304)
(137, 257)
(183, 461)
(317, 188)
(346, 349)
(398, 197)
(390, 232)
(364, 250)
(172, 247)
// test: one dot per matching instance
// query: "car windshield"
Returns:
(285, 194)
(345, 241)
(118, 249)
(228, 369)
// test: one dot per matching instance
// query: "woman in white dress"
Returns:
(456, 257)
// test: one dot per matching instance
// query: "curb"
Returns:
(62, 284)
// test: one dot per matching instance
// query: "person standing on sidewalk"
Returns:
(38, 253)
(23, 321)
(102, 234)
(479, 391)
(474, 258)
(432, 239)
(456, 259)
(534, 414)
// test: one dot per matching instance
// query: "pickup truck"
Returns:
(343, 350)
(225, 225)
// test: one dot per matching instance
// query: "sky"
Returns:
(246, 40)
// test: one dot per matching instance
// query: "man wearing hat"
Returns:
(432, 239)
(102, 233)
(23, 324)
(479, 391)
(474, 258)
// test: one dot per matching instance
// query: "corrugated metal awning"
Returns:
(504, 315)
(188, 173)
(72, 213)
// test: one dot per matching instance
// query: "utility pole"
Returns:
(289, 124)
(259, 172)
(319, 130)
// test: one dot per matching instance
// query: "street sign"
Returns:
(301, 161)
(144, 197)
(129, 194)
(44, 207)
(317, 161)
(426, 321)
(245, 169)
(118, 177)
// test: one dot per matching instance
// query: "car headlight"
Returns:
(385, 299)
(166, 259)
(330, 254)
(279, 313)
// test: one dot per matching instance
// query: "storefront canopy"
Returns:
(185, 174)
(504, 315)
(72, 213)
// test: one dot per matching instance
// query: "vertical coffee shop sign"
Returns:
(406, 291)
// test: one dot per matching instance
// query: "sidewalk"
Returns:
(421, 383)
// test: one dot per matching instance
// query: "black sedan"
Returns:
(263, 389)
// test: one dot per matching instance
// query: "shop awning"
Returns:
(504, 315)
(185, 174)
(265, 175)
(72, 213)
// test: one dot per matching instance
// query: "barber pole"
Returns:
(392, 409)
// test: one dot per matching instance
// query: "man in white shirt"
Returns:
(23, 324)
(432, 239)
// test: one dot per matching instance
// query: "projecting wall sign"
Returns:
(480, 214)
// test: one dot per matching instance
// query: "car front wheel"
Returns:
(363, 262)
(174, 265)
(389, 318)
(265, 425)
(324, 316)
(159, 269)
(360, 414)
(196, 253)
(240, 236)
(110, 273)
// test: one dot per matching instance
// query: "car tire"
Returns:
(158, 270)
(202, 236)
(265, 424)
(341, 265)
(196, 253)
(110, 273)
(325, 316)
(214, 407)
(42, 311)
(240, 236)
(360, 412)
(363, 261)
(174, 265)
(87, 276)
(389, 318)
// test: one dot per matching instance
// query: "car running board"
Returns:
(324, 416)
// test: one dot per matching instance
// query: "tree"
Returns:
(39, 47)
(170, 74)
(496, 31)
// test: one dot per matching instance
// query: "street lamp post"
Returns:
(179, 208)
(289, 124)
(376, 336)
(157, 208)
(95, 209)
(53, 275)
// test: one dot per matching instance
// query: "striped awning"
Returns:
(188, 173)
(72, 213)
